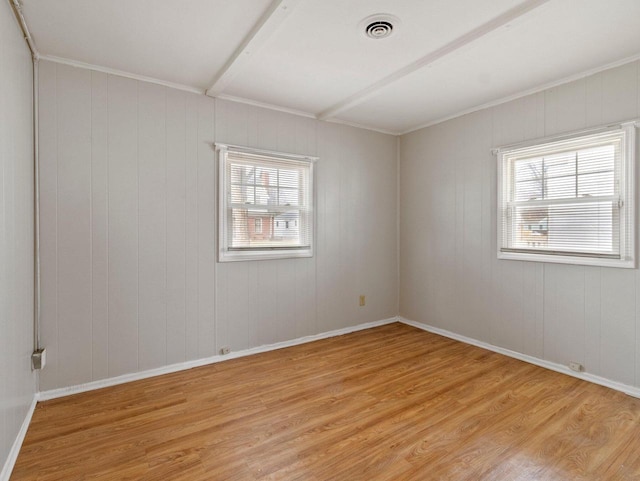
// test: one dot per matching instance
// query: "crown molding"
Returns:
(265, 105)
(121, 73)
(525, 93)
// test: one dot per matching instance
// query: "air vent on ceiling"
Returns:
(379, 26)
(379, 29)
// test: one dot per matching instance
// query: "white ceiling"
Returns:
(445, 56)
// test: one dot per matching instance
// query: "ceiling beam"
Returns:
(277, 12)
(469, 37)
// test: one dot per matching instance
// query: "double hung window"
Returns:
(569, 199)
(266, 204)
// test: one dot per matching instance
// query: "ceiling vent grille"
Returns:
(379, 26)
(379, 29)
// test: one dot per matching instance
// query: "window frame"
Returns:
(627, 222)
(225, 254)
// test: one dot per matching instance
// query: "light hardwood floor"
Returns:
(390, 403)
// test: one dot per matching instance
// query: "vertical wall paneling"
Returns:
(328, 243)
(565, 108)
(99, 226)
(349, 224)
(564, 315)
(620, 93)
(124, 229)
(155, 294)
(73, 105)
(192, 208)
(555, 312)
(152, 226)
(592, 318)
(176, 234)
(617, 310)
(206, 229)
(48, 147)
(17, 381)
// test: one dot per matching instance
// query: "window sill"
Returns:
(235, 256)
(575, 260)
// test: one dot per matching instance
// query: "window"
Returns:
(266, 204)
(569, 199)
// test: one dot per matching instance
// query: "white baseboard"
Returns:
(5, 474)
(618, 386)
(113, 381)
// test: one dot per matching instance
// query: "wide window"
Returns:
(569, 199)
(266, 204)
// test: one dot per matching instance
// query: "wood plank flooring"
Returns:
(390, 403)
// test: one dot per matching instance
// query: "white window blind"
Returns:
(266, 204)
(569, 200)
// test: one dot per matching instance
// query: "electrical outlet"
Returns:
(576, 366)
(225, 350)
(362, 301)
(38, 359)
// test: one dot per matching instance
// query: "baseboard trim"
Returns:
(113, 381)
(618, 386)
(5, 474)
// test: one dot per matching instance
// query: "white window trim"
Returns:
(226, 255)
(627, 178)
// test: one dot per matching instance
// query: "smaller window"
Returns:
(569, 199)
(265, 204)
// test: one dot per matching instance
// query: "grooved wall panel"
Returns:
(141, 253)
(74, 225)
(450, 276)
(124, 227)
(17, 381)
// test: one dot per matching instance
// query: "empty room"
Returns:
(319, 240)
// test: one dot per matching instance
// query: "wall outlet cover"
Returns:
(576, 366)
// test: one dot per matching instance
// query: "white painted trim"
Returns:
(451, 47)
(264, 105)
(266, 25)
(16, 6)
(301, 113)
(121, 73)
(334, 120)
(618, 386)
(5, 474)
(525, 93)
(265, 152)
(182, 366)
(599, 129)
(623, 132)
(277, 108)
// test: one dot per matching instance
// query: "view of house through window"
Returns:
(267, 204)
(586, 177)
(569, 198)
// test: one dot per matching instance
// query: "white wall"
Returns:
(128, 186)
(450, 276)
(17, 382)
